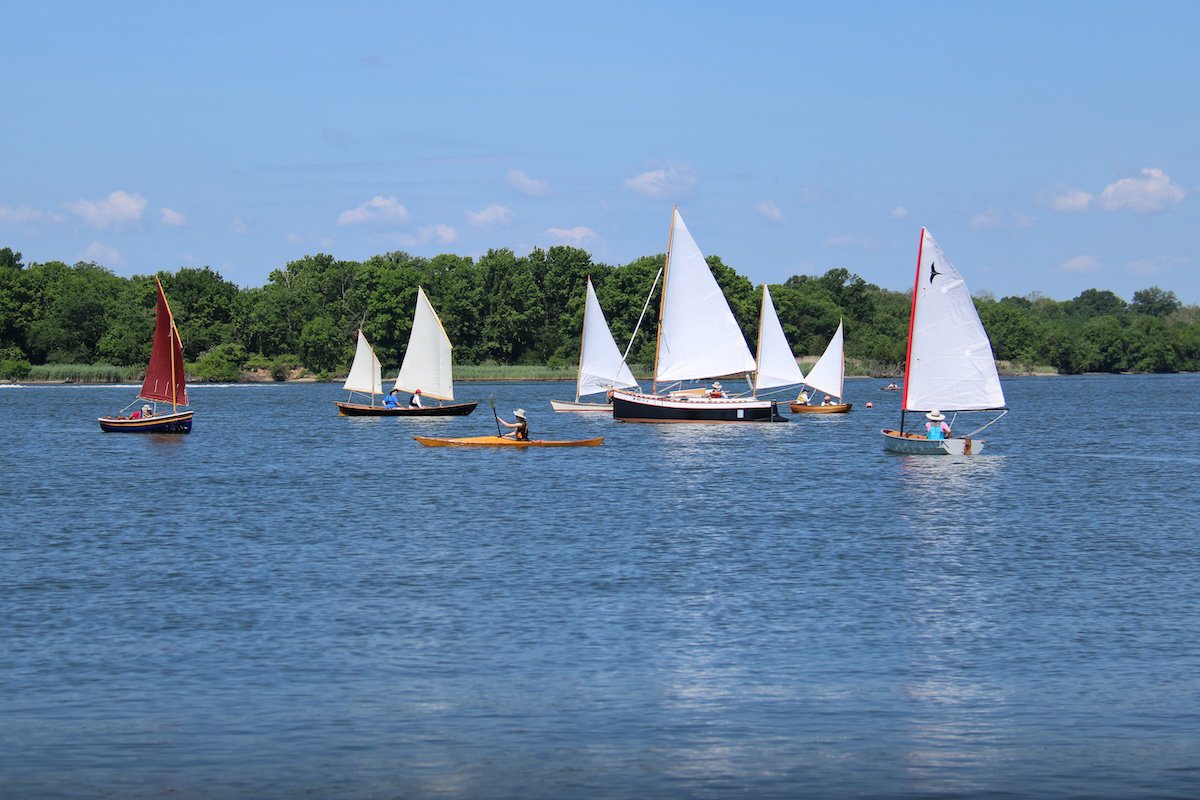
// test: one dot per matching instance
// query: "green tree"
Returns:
(1155, 302)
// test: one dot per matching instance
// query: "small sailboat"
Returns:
(427, 369)
(949, 364)
(601, 365)
(165, 383)
(698, 338)
(775, 364)
(366, 377)
(828, 375)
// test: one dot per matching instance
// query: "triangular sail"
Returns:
(366, 373)
(829, 373)
(427, 361)
(165, 381)
(698, 336)
(601, 366)
(776, 364)
(950, 365)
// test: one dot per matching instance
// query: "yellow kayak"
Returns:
(501, 441)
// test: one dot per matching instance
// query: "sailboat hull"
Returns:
(632, 407)
(178, 422)
(361, 410)
(914, 444)
(808, 408)
(575, 405)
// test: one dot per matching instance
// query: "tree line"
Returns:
(524, 310)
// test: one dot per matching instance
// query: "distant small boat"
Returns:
(828, 375)
(891, 387)
(501, 441)
(427, 367)
(949, 364)
(165, 383)
(601, 365)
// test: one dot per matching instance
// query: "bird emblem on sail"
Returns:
(933, 271)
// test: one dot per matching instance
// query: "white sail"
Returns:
(601, 366)
(427, 362)
(950, 366)
(698, 336)
(366, 373)
(776, 364)
(829, 373)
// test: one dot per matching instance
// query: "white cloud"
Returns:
(899, 212)
(379, 210)
(444, 234)
(172, 217)
(994, 218)
(1071, 200)
(1151, 193)
(526, 185)
(116, 210)
(23, 215)
(102, 254)
(1081, 264)
(667, 181)
(494, 216)
(770, 211)
(576, 236)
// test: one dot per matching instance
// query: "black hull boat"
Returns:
(363, 410)
(634, 407)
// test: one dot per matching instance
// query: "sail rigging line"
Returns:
(642, 316)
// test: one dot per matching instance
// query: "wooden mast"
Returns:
(663, 300)
(582, 334)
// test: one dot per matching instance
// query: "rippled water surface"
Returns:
(291, 604)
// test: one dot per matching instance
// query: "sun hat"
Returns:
(146, 408)
(520, 412)
(716, 384)
(935, 415)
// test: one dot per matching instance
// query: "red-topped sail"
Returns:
(164, 376)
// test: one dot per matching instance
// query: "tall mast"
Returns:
(912, 321)
(663, 298)
(173, 338)
(582, 334)
(762, 310)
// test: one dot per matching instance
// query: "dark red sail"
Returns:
(164, 376)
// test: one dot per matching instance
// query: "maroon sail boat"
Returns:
(165, 383)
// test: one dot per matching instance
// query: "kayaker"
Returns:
(522, 426)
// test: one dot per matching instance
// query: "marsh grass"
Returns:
(85, 373)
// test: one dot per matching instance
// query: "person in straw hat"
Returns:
(936, 428)
(522, 425)
(716, 391)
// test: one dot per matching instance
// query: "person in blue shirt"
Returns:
(936, 428)
(392, 400)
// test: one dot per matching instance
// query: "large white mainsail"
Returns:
(776, 364)
(950, 366)
(601, 366)
(366, 373)
(427, 361)
(698, 336)
(829, 373)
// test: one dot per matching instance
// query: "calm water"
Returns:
(291, 604)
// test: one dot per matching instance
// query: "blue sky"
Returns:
(1049, 147)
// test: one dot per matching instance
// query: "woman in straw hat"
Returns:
(522, 425)
(936, 428)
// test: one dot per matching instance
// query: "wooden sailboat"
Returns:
(165, 383)
(698, 338)
(949, 364)
(828, 375)
(601, 365)
(427, 367)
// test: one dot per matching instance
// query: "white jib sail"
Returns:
(427, 361)
(950, 361)
(829, 373)
(776, 364)
(366, 373)
(601, 366)
(698, 335)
